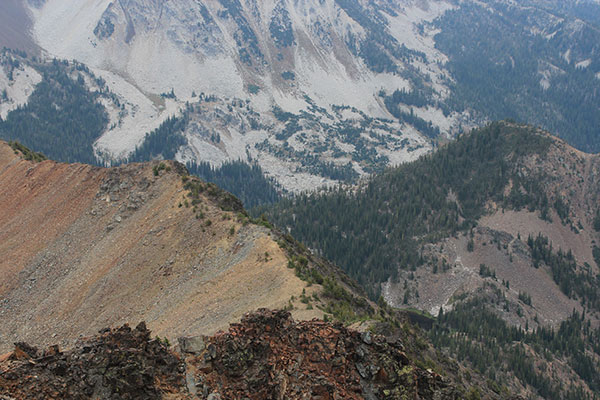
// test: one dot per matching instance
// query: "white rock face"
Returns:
(128, 126)
(307, 57)
(18, 89)
(293, 54)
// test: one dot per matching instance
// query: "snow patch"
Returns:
(65, 27)
(583, 64)
(405, 27)
(333, 86)
(202, 151)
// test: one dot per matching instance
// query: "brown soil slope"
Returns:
(84, 248)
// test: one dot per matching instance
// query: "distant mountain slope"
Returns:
(55, 107)
(16, 25)
(533, 61)
(323, 92)
(239, 62)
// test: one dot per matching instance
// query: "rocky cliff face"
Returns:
(266, 356)
(302, 57)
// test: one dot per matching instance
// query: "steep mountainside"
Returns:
(86, 247)
(320, 92)
(499, 229)
(16, 24)
(246, 58)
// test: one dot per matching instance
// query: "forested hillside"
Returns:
(62, 118)
(379, 229)
(556, 363)
(403, 233)
(536, 63)
(248, 182)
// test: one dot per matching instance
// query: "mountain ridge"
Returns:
(87, 246)
(147, 241)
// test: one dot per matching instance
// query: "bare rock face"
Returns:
(266, 356)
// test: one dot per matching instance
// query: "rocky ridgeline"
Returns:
(123, 363)
(266, 356)
(270, 356)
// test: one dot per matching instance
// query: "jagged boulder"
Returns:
(123, 363)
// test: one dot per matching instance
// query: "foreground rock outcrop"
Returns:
(270, 356)
(266, 356)
(123, 363)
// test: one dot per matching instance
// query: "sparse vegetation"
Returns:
(574, 282)
(597, 221)
(226, 201)
(474, 333)
(525, 298)
(288, 75)
(26, 153)
(486, 272)
(159, 167)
